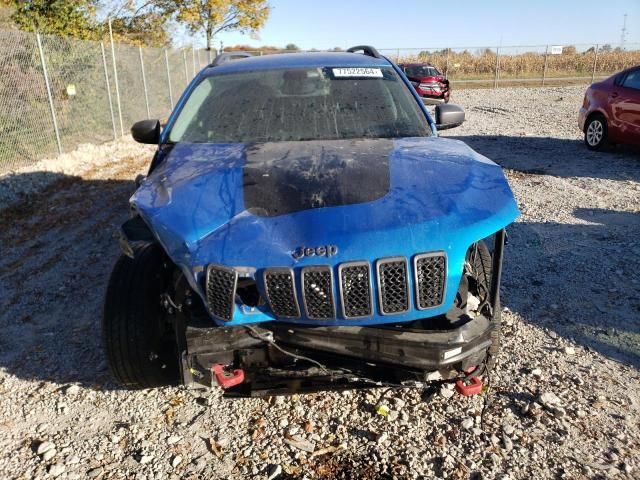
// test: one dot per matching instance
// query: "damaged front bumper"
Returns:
(281, 358)
(322, 358)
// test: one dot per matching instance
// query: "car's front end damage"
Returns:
(433, 87)
(277, 357)
(358, 277)
(303, 227)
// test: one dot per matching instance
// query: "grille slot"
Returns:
(392, 285)
(221, 283)
(317, 293)
(430, 273)
(355, 289)
(281, 292)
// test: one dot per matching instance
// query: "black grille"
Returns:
(281, 292)
(355, 288)
(430, 272)
(317, 292)
(392, 282)
(221, 291)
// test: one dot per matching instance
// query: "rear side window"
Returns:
(299, 104)
(421, 71)
(632, 80)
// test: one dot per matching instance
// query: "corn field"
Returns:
(522, 63)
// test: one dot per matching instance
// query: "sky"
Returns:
(325, 24)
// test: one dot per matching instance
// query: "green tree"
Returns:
(73, 19)
(291, 47)
(214, 16)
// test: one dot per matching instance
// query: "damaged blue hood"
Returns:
(256, 205)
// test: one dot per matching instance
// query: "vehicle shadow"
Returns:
(580, 280)
(555, 156)
(58, 249)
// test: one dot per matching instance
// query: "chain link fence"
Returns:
(57, 93)
(523, 65)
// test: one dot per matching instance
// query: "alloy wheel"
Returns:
(595, 132)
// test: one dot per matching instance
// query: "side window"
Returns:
(632, 80)
(618, 80)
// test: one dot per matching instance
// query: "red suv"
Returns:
(427, 80)
(610, 111)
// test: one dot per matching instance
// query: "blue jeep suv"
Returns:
(303, 227)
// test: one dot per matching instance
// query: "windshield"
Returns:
(300, 104)
(421, 71)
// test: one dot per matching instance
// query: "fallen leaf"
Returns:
(292, 469)
(214, 447)
(323, 451)
(258, 433)
(169, 414)
(308, 426)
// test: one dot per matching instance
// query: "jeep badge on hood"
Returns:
(325, 251)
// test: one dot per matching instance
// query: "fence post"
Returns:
(595, 63)
(115, 79)
(495, 81)
(193, 57)
(544, 70)
(398, 55)
(166, 61)
(106, 80)
(51, 106)
(186, 70)
(144, 83)
(446, 68)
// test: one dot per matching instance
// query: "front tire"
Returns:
(596, 132)
(138, 340)
(481, 264)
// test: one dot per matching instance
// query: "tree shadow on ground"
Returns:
(57, 252)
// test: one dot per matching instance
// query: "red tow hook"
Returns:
(467, 389)
(227, 379)
(470, 386)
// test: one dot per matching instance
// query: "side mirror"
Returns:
(146, 131)
(449, 116)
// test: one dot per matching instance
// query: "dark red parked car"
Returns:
(427, 80)
(610, 111)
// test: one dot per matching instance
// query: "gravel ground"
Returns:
(565, 397)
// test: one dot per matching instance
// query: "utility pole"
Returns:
(623, 33)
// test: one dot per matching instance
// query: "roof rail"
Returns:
(229, 57)
(367, 50)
